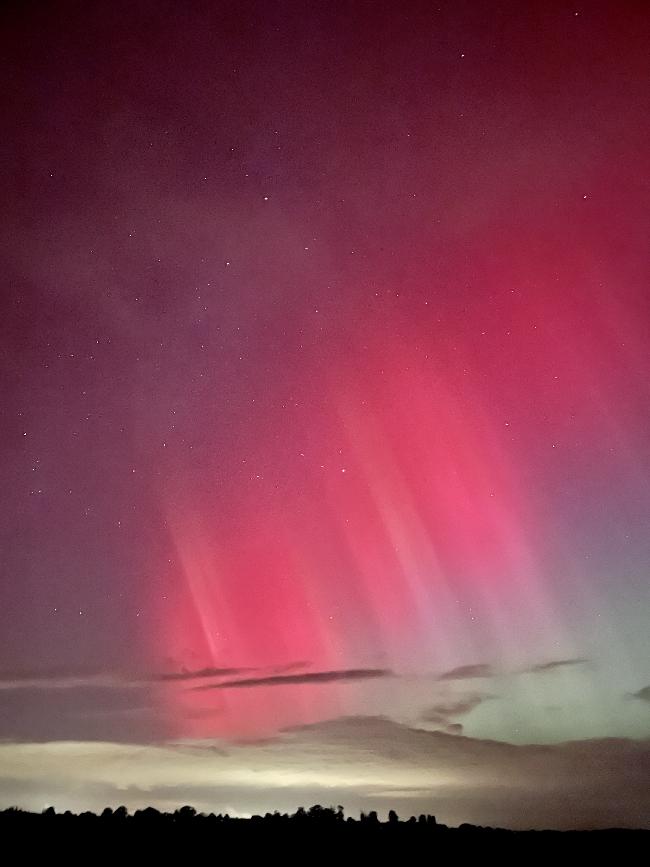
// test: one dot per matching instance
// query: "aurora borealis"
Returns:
(325, 454)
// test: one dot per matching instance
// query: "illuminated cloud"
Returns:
(362, 763)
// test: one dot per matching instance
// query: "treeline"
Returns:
(308, 833)
(315, 816)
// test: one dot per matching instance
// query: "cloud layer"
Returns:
(360, 762)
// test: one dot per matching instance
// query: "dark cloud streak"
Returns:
(199, 674)
(543, 667)
(444, 711)
(297, 679)
(467, 672)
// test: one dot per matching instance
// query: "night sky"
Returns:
(325, 453)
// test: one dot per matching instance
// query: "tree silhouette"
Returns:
(309, 830)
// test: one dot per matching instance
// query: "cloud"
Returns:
(542, 667)
(270, 676)
(305, 677)
(77, 679)
(198, 674)
(57, 680)
(481, 670)
(359, 762)
(290, 666)
(466, 672)
(642, 694)
(112, 712)
(443, 711)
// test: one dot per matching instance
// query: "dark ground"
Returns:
(313, 836)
